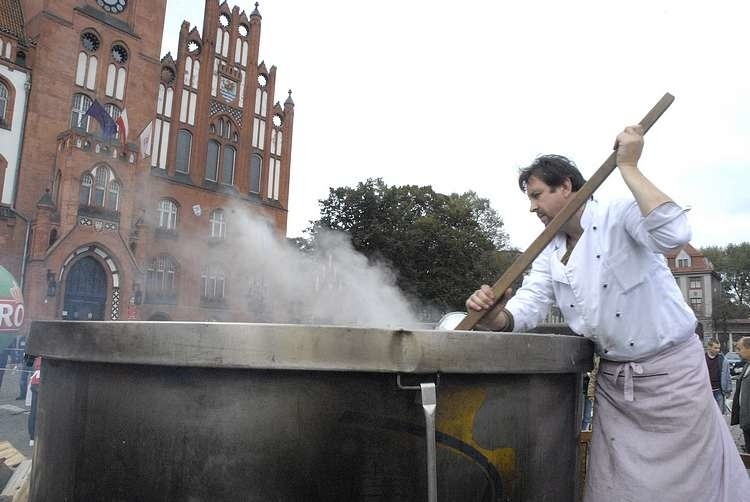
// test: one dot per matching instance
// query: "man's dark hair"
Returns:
(553, 170)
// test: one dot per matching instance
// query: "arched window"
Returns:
(184, 144)
(217, 224)
(167, 214)
(78, 117)
(100, 188)
(161, 280)
(255, 171)
(4, 95)
(227, 170)
(213, 283)
(116, 72)
(85, 192)
(87, 62)
(212, 160)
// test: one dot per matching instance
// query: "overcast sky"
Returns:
(459, 95)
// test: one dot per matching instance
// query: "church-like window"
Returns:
(100, 188)
(184, 144)
(212, 160)
(255, 171)
(117, 72)
(227, 172)
(78, 117)
(87, 63)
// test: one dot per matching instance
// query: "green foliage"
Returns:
(441, 247)
(732, 263)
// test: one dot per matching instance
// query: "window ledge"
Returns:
(166, 233)
(215, 241)
(161, 298)
(213, 302)
(99, 212)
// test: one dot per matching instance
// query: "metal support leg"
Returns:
(429, 405)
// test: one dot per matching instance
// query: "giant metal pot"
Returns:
(141, 411)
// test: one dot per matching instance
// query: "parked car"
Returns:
(736, 363)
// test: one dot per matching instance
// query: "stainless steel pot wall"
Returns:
(192, 411)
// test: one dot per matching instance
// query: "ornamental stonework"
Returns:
(216, 107)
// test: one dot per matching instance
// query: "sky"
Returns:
(459, 95)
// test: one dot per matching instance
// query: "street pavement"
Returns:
(14, 414)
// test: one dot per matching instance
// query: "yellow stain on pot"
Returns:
(456, 412)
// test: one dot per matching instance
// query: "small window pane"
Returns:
(212, 159)
(78, 117)
(85, 192)
(113, 196)
(227, 174)
(184, 143)
(255, 163)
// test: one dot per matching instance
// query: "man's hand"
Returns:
(629, 145)
(484, 299)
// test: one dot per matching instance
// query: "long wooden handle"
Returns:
(580, 198)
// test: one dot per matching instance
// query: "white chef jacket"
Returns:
(616, 288)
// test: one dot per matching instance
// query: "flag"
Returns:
(122, 122)
(98, 113)
(144, 140)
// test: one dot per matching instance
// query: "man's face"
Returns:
(744, 352)
(713, 349)
(545, 201)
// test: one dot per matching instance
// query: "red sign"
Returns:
(132, 313)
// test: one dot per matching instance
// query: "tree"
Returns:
(440, 246)
(733, 265)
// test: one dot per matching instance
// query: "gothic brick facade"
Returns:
(140, 228)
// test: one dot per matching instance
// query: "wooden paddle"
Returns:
(580, 198)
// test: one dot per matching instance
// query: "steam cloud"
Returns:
(332, 285)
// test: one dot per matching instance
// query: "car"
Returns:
(736, 363)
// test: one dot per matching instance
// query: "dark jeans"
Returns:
(719, 397)
(746, 432)
(23, 384)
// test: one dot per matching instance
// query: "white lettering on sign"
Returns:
(11, 316)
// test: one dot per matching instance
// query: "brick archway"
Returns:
(110, 267)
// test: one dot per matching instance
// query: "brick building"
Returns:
(142, 228)
(699, 283)
(16, 51)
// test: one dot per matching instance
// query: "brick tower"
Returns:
(139, 227)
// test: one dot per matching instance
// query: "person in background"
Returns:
(741, 401)
(655, 433)
(35, 381)
(718, 373)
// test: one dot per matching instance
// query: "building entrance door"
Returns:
(85, 291)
